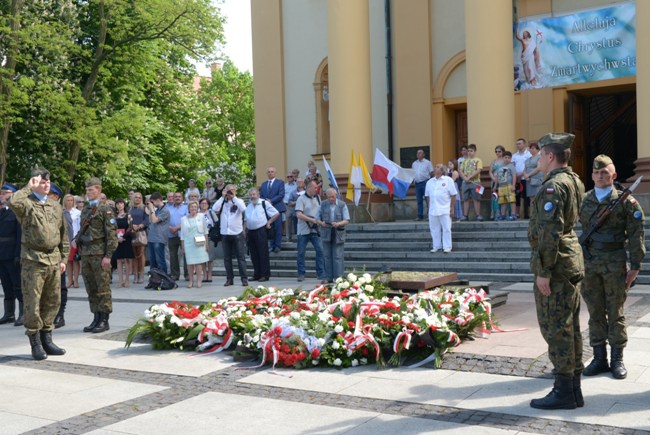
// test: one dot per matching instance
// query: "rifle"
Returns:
(602, 217)
(84, 226)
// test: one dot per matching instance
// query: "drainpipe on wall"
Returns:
(389, 78)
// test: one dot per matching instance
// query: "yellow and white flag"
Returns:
(354, 181)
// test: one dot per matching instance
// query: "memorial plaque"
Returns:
(420, 280)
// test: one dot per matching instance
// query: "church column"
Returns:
(643, 95)
(490, 95)
(349, 82)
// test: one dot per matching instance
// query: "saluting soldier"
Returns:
(44, 254)
(10, 234)
(556, 262)
(98, 240)
(608, 278)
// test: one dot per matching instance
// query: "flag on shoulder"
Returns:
(391, 176)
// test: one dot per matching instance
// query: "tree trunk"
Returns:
(5, 90)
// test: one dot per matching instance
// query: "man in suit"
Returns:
(273, 191)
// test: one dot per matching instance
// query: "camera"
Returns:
(229, 192)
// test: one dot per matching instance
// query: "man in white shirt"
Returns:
(307, 212)
(232, 233)
(260, 215)
(519, 159)
(423, 170)
(441, 195)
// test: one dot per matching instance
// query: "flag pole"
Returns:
(368, 207)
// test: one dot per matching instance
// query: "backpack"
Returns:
(159, 280)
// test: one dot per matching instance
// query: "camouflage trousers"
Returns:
(98, 284)
(41, 295)
(604, 293)
(559, 323)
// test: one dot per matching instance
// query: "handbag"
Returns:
(199, 240)
(214, 234)
(140, 238)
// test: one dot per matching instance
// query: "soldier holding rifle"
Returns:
(609, 217)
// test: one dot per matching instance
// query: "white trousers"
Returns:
(440, 227)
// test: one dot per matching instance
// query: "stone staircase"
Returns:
(482, 251)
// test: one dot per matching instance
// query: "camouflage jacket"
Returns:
(554, 213)
(99, 236)
(44, 237)
(625, 222)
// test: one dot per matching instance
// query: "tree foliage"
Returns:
(104, 88)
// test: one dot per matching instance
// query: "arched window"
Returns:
(321, 95)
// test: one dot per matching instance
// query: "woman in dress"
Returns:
(494, 169)
(532, 174)
(453, 173)
(210, 218)
(124, 252)
(72, 217)
(193, 229)
(139, 224)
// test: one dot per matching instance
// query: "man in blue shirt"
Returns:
(176, 212)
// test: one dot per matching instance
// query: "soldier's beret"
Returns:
(40, 172)
(93, 181)
(54, 188)
(564, 139)
(8, 187)
(602, 161)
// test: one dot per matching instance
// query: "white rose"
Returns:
(345, 284)
(315, 362)
(363, 361)
(352, 277)
(350, 352)
(338, 329)
(361, 280)
(369, 288)
(339, 280)
(355, 363)
(295, 315)
(330, 323)
(256, 339)
(367, 277)
(240, 343)
(321, 342)
(335, 345)
(338, 362)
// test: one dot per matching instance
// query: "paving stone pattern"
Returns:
(180, 388)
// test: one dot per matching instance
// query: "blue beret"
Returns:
(8, 187)
(54, 188)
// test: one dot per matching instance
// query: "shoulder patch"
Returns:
(113, 221)
(638, 215)
(549, 205)
(632, 200)
(550, 190)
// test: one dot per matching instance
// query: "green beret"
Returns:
(602, 161)
(43, 173)
(564, 139)
(93, 181)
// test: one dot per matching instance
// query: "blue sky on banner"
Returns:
(586, 46)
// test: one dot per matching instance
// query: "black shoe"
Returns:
(228, 283)
(92, 325)
(102, 324)
(599, 363)
(48, 346)
(618, 369)
(244, 282)
(264, 279)
(254, 279)
(10, 309)
(38, 353)
(59, 320)
(560, 397)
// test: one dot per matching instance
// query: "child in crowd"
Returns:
(507, 178)
(470, 172)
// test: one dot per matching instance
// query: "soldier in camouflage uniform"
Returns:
(97, 240)
(44, 255)
(607, 277)
(10, 235)
(556, 262)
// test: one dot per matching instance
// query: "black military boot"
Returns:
(59, 320)
(92, 325)
(618, 369)
(102, 324)
(599, 363)
(20, 319)
(38, 353)
(560, 397)
(49, 347)
(10, 312)
(577, 391)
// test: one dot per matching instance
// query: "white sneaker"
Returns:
(447, 251)
(434, 250)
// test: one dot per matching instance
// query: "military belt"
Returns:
(44, 250)
(606, 247)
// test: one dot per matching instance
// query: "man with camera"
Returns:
(308, 213)
(231, 221)
(157, 239)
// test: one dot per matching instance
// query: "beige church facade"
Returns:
(333, 76)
